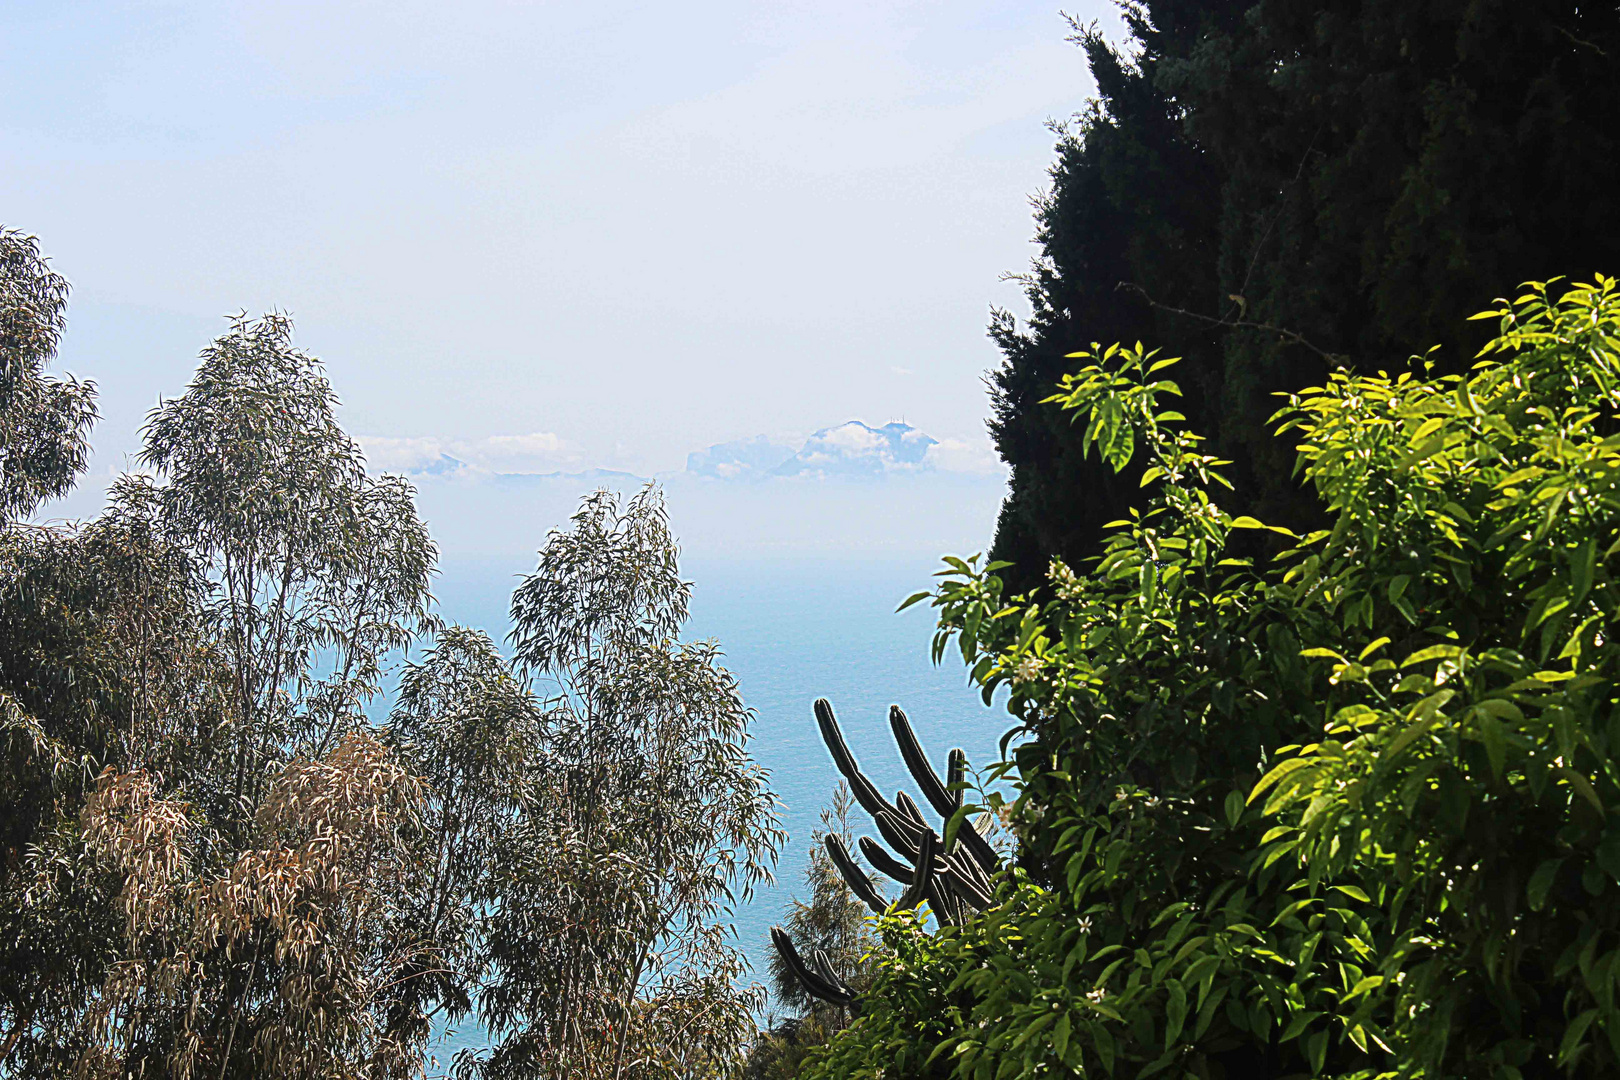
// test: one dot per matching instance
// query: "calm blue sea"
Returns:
(794, 629)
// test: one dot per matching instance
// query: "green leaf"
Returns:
(1234, 808)
(1573, 1034)
(1427, 428)
(1490, 733)
(1433, 652)
(1370, 982)
(914, 598)
(1581, 568)
(1540, 882)
(1372, 648)
(1175, 1013)
(1424, 713)
(1316, 1050)
(1103, 1040)
(1583, 786)
(1277, 774)
(1297, 1025)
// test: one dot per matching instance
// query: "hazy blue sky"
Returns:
(619, 231)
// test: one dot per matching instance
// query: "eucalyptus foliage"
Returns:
(105, 660)
(645, 823)
(213, 865)
(307, 551)
(1348, 811)
(44, 421)
(469, 727)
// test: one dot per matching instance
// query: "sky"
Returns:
(556, 236)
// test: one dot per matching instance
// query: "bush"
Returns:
(1350, 812)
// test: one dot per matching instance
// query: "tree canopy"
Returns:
(1268, 189)
(213, 863)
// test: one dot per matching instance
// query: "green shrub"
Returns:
(1349, 809)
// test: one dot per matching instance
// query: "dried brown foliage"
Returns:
(276, 962)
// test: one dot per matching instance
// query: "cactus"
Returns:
(955, 881)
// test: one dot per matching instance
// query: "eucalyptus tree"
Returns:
(44, 421)
(278, 957)
(307, 552)
(105, 660)
(469, 727)
(645, 822)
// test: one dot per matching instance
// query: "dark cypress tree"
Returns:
(1271, 190)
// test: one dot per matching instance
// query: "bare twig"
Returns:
(1579, 41)
(1240, 324)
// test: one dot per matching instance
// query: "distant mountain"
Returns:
(849, 451)
(741, 459)
(854, 449)
(443, 465)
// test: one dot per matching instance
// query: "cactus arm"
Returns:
(946, 802)
(962, 883)
(815, 982)
(955, 773)
(917, 762)
(824, 968)
(859, 785)
(972, 871)
(859, 883)
(944, 905)
(883, 862)
(923, 877)
(900, 835)
(909, 809)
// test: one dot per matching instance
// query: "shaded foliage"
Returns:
(833, 920)
(1266, 188)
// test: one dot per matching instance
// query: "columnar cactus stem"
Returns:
(852, 873)
(954, 880)
(818, 978)
(884, 862)
(859, 785)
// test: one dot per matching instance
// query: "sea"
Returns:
(792, 629)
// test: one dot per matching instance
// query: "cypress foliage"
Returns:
(1273, 190)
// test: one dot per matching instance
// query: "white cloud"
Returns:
(388, 454)
(537, 451)
(850, 438)
(851, 449)
(537, 445)
(960, 456)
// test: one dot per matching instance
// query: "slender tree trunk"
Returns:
(236, 1010)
